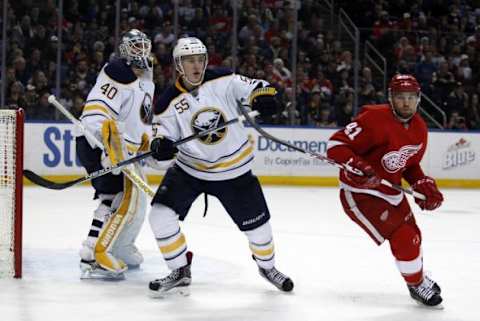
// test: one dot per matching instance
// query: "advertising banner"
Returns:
(50, 151)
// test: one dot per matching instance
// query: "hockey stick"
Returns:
(59, 186)
(134, 177)
(321, 157)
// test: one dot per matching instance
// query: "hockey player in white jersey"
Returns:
(118, 112)
(218, 164)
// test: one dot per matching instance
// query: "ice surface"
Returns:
(339, 273)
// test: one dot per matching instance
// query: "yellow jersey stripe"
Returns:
(229, 163)
(96, 108)
(179, 86)
(180, 242)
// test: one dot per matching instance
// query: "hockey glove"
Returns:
(107, 163)
(162, 149)
(360, 174)
(428, 187)
(263, 100)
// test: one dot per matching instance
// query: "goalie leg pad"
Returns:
(170, 239)
(261, 244)
(101, 215)
(124, 214)
(125, 248)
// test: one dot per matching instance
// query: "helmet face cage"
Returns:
(188, 47)
(136, 48)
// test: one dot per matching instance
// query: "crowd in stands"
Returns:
(437, 41)
(324, 94)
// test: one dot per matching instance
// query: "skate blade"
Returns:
(183, 291)
(429, 307)
(87, 272)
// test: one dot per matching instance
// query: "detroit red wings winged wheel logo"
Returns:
(396, 160)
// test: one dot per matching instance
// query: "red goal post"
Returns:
(11, 191)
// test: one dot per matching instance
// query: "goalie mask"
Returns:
(404, 96)
(190, 48)
(135, 47)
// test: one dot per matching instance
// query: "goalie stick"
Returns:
(319, 156)
(37, 179)
(134, 177)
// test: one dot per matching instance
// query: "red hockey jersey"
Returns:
(392, 148)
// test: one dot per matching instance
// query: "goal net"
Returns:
(11, 167)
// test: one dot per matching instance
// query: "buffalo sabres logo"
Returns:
(146, 113)
(209, 118)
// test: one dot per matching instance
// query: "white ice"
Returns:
(339, 273)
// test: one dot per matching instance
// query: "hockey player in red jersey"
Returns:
(388, 142)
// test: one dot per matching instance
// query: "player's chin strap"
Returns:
(330, 161)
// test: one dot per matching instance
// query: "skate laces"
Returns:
(428, 282)
(276, 276)
(425, 290)
(172, 277)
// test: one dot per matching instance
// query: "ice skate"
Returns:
(91, 270)
(432, 284)
(176, 282)
(426, 293)
(277, 278)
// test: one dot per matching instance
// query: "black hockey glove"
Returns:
(162, 149)
(263, 99)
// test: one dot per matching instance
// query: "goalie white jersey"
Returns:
(120, 95)
(221, 155)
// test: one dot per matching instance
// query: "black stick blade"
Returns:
(36, 179)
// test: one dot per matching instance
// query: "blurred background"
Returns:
(326, 58)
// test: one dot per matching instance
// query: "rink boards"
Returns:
(451, 157)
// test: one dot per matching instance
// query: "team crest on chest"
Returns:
(207, 118)
(146, 113)
(396, 160)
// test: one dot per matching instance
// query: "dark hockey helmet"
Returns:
(135, 48)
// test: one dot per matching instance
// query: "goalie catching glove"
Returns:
(360, 174)
(433, 197)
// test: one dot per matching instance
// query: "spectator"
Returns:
(456, 121)
(290, 115)
(16, 96)
(281, 71)
(424, 71)
(443, 82)
(21, 72)
(457, 101)
(166, 35)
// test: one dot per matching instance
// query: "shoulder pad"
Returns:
(119, 71)
(165, 98)
(211, 74)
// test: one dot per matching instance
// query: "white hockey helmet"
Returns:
(187, 47)
(135, 47)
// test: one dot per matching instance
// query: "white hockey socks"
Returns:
(170, 239)
(261, 245)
